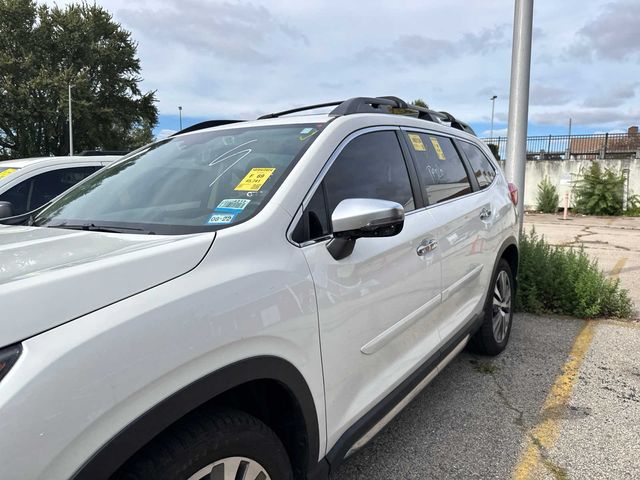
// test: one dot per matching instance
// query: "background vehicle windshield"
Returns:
(191, 183)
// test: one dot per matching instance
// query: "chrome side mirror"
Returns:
(355, 218)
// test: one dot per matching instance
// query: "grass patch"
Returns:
(484, 367)
(566, 281)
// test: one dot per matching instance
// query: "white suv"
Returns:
(251, 301)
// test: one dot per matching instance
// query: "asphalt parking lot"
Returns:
(562, 402)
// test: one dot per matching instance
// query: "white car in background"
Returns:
(29, 183)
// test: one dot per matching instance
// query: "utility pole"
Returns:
(180, 113)
(493, 109)
(70, 123)
(519, 99)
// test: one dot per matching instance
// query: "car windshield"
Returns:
(191, 183)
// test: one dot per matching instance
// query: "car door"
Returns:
(377, 306)
(458, 226)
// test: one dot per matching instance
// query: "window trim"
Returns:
(411, 172)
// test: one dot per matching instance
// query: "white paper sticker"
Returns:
(221, 218)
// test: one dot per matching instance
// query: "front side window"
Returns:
(440, 168)
(370, 166)
(18, 196)
(196, 182)
(481, 166)
(39, 189)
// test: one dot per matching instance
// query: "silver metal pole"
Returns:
(519, 99)
(493, 109)
(180, 113)
(70, 124)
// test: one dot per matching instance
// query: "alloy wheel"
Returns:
(501, 306)
(232, 468)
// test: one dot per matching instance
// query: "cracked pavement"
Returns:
(480, 416)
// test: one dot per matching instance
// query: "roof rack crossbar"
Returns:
(300, 109)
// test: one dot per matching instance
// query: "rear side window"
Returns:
(440, 168)
(481, 166)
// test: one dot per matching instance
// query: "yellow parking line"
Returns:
(546, 432)
(617, 268)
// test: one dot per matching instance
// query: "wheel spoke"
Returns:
(497, 325)
(496, 293)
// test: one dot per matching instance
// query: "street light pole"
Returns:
(519, 99)
(70, 123)
(180, 113)
(493, 109)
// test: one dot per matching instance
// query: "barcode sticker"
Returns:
(232, 205)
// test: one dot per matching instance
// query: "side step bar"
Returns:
(373, 431)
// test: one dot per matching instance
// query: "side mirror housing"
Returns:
(6, 209)
(355, 218)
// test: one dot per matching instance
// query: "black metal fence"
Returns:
(563, 147)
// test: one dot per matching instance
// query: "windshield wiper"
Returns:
(91, 227)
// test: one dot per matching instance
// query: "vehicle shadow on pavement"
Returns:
(472, 421)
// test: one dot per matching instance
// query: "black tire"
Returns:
(202, 439)
(484, 341)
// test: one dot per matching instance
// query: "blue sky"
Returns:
(239, 59)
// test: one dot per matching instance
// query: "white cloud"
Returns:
(239, 59)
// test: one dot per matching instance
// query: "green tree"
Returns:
(43, 49)
(419, 102)
(548, 197)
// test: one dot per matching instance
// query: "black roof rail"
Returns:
(205, 124)
(300, 109)
(374, 104)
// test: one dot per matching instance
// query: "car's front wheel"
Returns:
(493, 335)
(220, 445)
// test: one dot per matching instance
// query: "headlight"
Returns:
(8, 357)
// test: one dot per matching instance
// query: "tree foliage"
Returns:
(419, 102)
(548, 197)
(599, 192)
(43, 49)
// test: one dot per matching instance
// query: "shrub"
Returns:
(599, 192)
(548, 197)
(567, 282)
(495, 150)
(633, 206)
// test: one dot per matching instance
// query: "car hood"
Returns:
(49, 276)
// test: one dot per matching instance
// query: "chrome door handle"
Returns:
(426, 246)
(485, 213)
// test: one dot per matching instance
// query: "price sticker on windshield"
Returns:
(416, 141)
(7, 171)
(255, 179)
(437, 148)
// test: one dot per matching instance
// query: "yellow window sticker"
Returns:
(416, 141)
(6, 172)
(438, 148)
(255, 179)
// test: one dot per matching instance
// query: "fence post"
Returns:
(606, 142)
